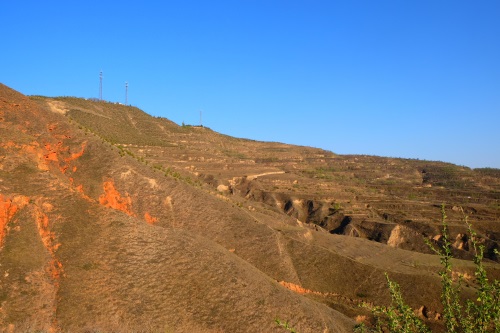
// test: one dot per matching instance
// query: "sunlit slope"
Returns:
(139, 223)
(388, 200)
(94, 240)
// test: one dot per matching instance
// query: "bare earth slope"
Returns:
(93, 240)
(113, 220)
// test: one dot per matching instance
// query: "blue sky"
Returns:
(414, 79)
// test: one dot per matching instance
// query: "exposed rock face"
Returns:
(461, 242)
(223, 188)
(406, 238)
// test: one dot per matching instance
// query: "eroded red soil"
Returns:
(54, 268)
(7, 211)
(150, 219)
(113, 199)
(298, 289)
(48, 238)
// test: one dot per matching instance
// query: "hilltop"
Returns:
(114, 220)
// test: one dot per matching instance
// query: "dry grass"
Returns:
(212, 261)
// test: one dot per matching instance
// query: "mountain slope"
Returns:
(366, 196)
(78, 252)
(113, 220)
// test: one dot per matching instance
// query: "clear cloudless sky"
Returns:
(413, 78)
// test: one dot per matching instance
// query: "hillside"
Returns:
(115, 221)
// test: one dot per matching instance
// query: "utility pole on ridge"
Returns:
(126, 93)
(100, 86)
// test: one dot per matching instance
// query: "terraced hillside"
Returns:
(382, 199)
(115, 221)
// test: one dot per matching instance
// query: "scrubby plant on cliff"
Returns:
(481, 315)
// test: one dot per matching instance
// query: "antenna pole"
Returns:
(201, 123)
(126, 93)
(100, 86)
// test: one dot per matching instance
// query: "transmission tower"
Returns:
(100, 86)
(126, 93)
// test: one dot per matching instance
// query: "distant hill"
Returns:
(112, 220)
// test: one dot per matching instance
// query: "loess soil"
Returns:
(112, 220)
